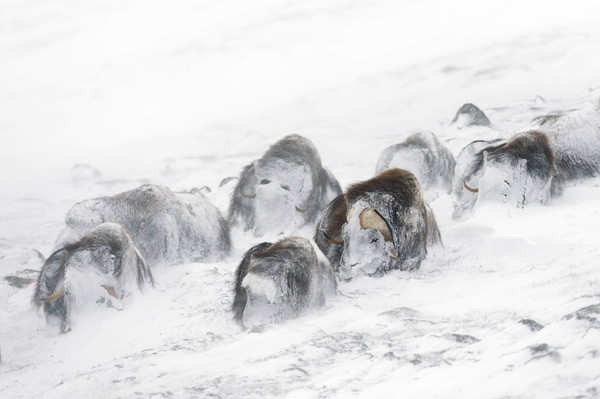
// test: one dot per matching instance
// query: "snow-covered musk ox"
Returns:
(470, 115)
(280, 281)
(103, 266)
(378, 225)
(168, 228)
(423, 155)
(575, 138)
(530, 167)
(285, 189)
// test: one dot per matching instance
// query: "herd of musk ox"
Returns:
(111, 244)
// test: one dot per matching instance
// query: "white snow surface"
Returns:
(187, 93)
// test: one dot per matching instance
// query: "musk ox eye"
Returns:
(265, 181)
(374, 240)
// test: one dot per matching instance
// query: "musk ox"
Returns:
(423, 155)
(279, 281)
(377, 225)
(167, 228)
(530, 167)
(103, 266)
(285, 189)
(470, 115)
(575, 138)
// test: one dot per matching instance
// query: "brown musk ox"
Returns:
(378, 225)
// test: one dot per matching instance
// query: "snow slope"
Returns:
(186, 94)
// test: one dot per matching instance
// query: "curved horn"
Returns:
(301, 210)
(334, 241)
(59, 292)
(394, 255)
(370, 219)
(111, 291)
(473, 190)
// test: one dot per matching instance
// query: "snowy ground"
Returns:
(186, 94)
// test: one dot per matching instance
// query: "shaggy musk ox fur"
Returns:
(168, 228)
(378, 225)
(285, 189)
(423, 155)
(519, 171)
(104, 263)
(530, 167)
(279, 281)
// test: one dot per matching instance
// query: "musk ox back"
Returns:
(280, 281)
(423, 155)
(470, 115)
(285, 189)
(102, 267)
(168, 228)
(575, 138)
(378, 225)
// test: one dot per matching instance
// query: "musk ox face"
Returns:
(279, 281)
(424, 156)
(377, 225)
(368, 242)
(167, 228)
(283, 190)
(103, 267)
(517, 172)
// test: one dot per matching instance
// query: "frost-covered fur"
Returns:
(423, 155)
(470, 115)
(530, 167)
(575, 138)
(168, 228)
(105, 257)
(279, 281)
(285, 189)
(396, 196)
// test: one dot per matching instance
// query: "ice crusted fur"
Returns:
(285, 189)
(167, 228)
(103, 267)
(428, 159)
(281, 281)
(575, 138)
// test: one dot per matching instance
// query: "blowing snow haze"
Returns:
(100, 98)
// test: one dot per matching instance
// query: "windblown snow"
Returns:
(98, 97)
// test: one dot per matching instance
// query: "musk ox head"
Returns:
(518, 172)
(424, 156)
(167, 228)
(285, 189)
(102, 267)
(279, 281)
(377, 225)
